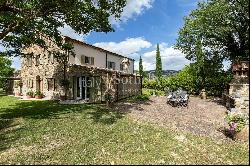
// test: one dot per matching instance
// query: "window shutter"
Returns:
(92, 60)
(121, 67)
(113, 65)
(109, 65)
(82, 59)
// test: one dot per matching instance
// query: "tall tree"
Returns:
(141, 72)
(204, 69)
(223, 28)
(26, 22)
(5, 69)
(158, 70)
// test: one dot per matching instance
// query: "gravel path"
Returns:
(202, 117)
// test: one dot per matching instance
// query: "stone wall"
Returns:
(40, 71)
(238, 92)
(122, 85)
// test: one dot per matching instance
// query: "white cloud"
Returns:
(132, 9)
(172, 59)
(68, 31)
(129, 47)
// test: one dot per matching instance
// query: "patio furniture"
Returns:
(178, 98)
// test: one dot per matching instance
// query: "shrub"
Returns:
(143, 97)
(38, 93)
(236, 122)
(30, 93)
(150, 92)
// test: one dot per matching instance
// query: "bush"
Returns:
(149, 84)
(38, 93)
(188, 80)
(236, 122)
(30, 93)
(143, 97)
(150, 92)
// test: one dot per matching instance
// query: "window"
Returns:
(30, 83)
(37, 60)
(111, 65)
(87, 60)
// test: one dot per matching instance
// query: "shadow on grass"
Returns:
(129, 104)
(54, 110)
(48, 110)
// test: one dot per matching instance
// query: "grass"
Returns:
(45, 132)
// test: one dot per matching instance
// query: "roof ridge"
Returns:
(99, 48)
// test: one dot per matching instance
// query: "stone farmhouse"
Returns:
(90, 73)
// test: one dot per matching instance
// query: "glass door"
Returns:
(83, 85)
(78, 88)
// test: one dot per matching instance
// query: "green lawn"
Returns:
(45, 132)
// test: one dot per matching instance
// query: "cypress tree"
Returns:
(158, 70)
(140, 67)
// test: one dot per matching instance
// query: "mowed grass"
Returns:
(45, 132)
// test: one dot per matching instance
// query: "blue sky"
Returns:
(143, 24)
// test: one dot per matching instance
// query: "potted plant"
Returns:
(17, 93)
(30, 94)
(38, 95)
(238, 126)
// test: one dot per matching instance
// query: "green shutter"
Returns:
(82, 59)
(92, 60)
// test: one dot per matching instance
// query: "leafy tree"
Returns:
(158, 70)
(189, 80)
(141, 67)
(26, 22)
(5, 69)
(222, 26)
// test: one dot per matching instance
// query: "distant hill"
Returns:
(165, 73)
